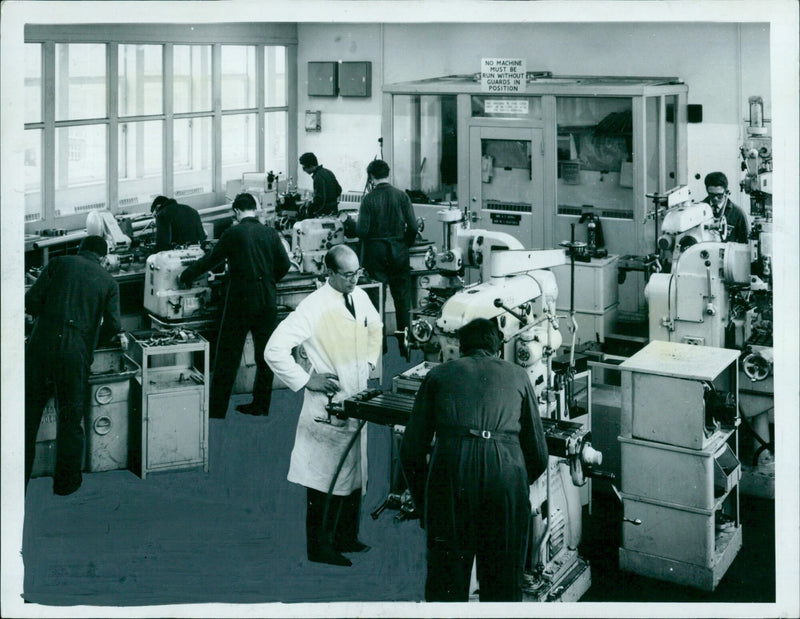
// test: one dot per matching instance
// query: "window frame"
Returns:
(260, 36)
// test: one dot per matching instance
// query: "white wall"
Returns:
(350, 126)
(722, 63)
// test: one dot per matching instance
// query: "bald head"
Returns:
(343, 271)
(341, 258)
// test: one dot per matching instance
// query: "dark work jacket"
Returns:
(478, 392)
(326, 193)
(178, 224)
(256, 260)
(387, 213)
(68, 301)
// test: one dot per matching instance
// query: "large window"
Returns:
(132, 118)
(33, 133)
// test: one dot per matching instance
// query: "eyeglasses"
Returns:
(716, 197)
(353, 276)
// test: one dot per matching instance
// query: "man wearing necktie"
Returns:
(341, 332)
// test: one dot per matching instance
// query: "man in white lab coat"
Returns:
(341, 332)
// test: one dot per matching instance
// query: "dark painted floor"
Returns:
(236, 533)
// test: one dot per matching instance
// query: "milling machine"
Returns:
(517, 290)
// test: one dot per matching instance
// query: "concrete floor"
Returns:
(236, 534)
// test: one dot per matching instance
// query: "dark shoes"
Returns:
(325, 553)
(64, 488)
(354, 546)
(252, 409)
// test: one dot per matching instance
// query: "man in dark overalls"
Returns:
(489, 447)
(257, 260)
(387, 227)
(176, 224)
(70, 298)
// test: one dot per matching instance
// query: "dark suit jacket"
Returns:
(256, 259)
(68, 301)
(326, 193)
(178, 224)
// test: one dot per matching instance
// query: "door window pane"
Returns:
(140, 80)
(506, 175)
(80, 81)
(275, 124)
(238, 76)
(80, 181)
(33, 174)
(274, 76)
(192, 75)
(238, 146)
(33, 82)
(140, 163)
(193, 156)
(425, 145)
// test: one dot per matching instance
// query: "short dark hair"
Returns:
(378, 168)
(308, 160)
(244, 202)
(161, 201)
(716, 179)
(479, 334)
(95, 244)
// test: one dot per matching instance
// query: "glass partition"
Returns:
(425, 156)
(594, 156)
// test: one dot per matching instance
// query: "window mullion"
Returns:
(112, 112)
(168, 74)
(49, 135)
(260, 98)
(216, 123)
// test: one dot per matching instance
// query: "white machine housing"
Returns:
(163, 295)
(102, 223)
(686, 225)
(312, 238)
(691, 305)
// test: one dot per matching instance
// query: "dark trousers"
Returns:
(342, 522)
(65, 375)
(237, 321)
(387, 262)
(499, 570)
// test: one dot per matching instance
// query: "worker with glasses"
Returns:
(737, 229)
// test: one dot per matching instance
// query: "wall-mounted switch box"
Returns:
(355, 79)
(323, 79)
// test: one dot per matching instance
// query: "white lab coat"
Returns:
(335, 342)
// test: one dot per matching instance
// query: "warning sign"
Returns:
(501, 75)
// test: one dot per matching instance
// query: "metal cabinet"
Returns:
(680, 466)
(171, 430)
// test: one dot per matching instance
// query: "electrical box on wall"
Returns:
(323, 79)
(313, 120)
(355, 79)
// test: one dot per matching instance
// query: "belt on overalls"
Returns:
(471, 433)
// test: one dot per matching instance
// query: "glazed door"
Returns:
(506, 180)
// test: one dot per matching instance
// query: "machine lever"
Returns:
(522, 319)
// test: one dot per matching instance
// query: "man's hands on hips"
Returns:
(324, 383)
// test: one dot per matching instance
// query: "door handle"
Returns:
(474, 199)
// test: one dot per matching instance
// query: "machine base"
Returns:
(679, 572)
(759, 481)
(568, 587)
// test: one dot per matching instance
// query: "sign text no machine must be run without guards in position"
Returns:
(502, 75)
